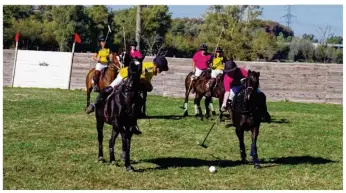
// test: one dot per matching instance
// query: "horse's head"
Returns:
(252, 83)
(134, 74)
(125, 58)
(115, 63)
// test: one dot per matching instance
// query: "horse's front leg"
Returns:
(254, 135)
(240, 135)
(115, 133)
(207, 102)
(88, 97)
(126, 139)
(198, 109)
(220, 112)
(211, 105)
(99, 127)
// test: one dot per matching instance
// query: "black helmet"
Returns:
(133, 43)
(219, 49)
(101, 38)
(161, 63)
(230, 66)
(203, 47)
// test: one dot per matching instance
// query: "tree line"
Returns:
(243, 35)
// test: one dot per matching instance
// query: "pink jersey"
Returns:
(135, 54)
(229, 82)
(201, 61)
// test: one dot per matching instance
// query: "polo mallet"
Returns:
(202, 144)
(218, 42)
(109, 30)
(123, 21)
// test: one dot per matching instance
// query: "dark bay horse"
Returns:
(201, 89)
(120, 111)
(247, 111)
(107, 76)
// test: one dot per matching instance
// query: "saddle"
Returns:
(103, 72)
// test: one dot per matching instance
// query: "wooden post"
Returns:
(14, 63)
(69, 81)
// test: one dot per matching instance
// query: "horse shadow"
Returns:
(173, 162)
(280, 121)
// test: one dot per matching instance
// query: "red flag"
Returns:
(16, 38)
(77, 38)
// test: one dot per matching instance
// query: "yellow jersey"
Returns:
(148, 72)
(103, 54)
(217, 63)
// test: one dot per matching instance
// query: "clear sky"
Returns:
(308, 18)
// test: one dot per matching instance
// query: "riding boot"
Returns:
(210, 86)
(96, 80)
(99, 99)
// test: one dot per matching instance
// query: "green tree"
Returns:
(238, 22)
(263, 45)
(335, 40)
(67, 20)
(99, 20)
(124, 21)
(11, 14)
(320, 53)
(282, 47)
(307, 49)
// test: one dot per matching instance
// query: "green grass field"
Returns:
(50, 143)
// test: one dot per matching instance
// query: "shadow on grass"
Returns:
(169, 117)
(171, 162)
(280, 121)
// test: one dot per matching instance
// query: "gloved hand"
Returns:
(242, 80)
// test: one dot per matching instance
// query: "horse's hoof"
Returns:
(207, 116)
(244, 161)
(101, 159)
(185, 114)
(123, 156)
(113, 163)
(129, 169)
(213, 113)
(228, 126)
(257, 166)
(197, 115)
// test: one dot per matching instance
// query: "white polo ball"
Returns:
(212, 169)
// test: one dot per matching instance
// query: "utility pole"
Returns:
(288, 17)
(138, 27)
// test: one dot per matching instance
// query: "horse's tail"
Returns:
(188, 87)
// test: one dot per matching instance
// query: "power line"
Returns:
(288, 17)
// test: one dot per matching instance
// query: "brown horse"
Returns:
(201, 89)
(107, 76)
